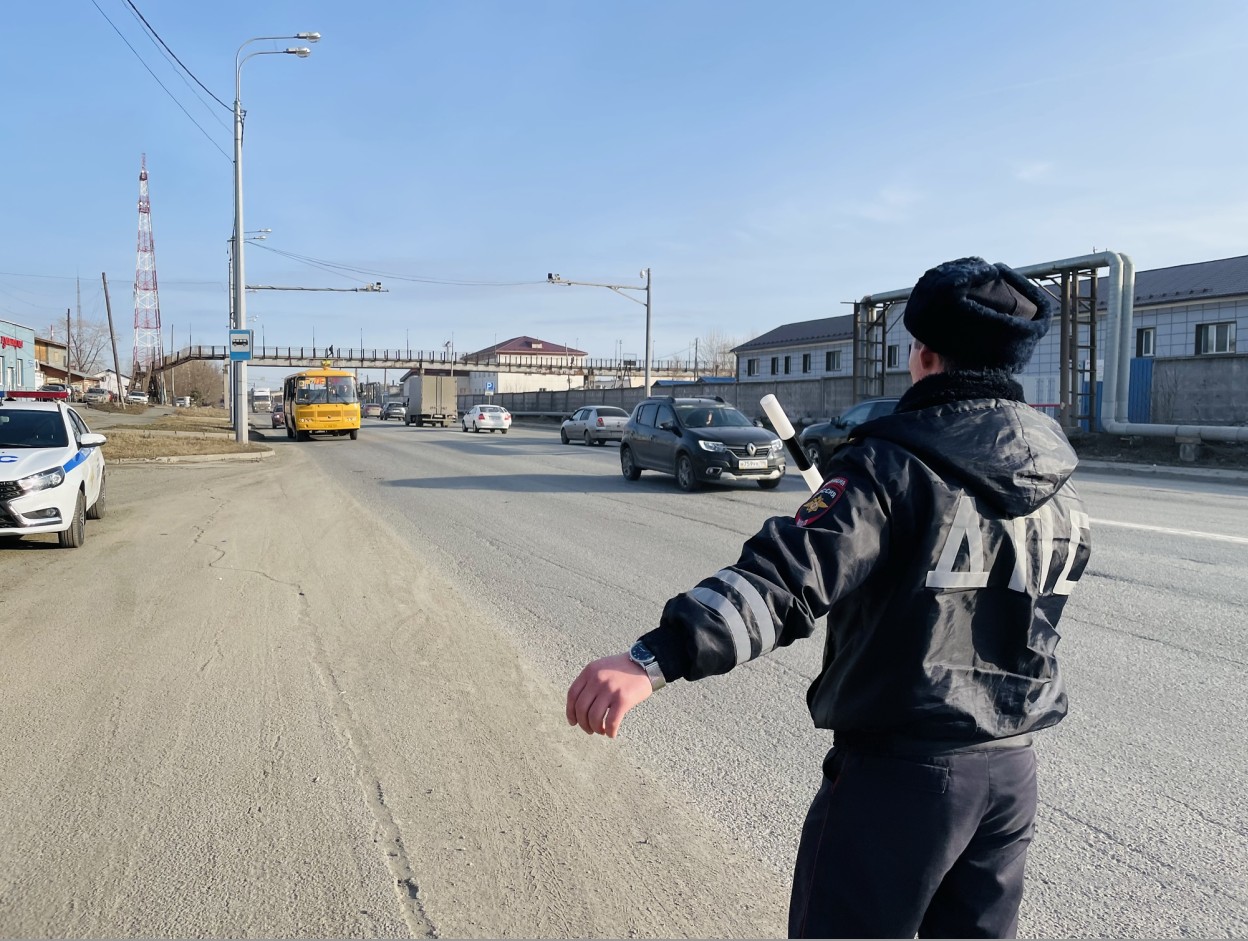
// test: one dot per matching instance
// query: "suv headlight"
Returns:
(712, 445)
(42, 481)
(776, 446)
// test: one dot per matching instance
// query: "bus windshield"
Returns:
(318, 390)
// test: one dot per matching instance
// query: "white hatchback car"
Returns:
(51, 471)
(486, 418)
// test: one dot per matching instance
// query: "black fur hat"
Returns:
(981, 316)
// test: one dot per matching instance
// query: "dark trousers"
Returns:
(934, 846)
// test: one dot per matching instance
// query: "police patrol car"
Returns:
(51, 470)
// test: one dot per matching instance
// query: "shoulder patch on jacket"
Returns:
(821, 501)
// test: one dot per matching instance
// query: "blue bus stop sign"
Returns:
(240, 345)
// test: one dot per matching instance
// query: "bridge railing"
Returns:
(305, 356)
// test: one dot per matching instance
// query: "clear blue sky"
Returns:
(768, 161)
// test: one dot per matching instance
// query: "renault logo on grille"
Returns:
(750, 449)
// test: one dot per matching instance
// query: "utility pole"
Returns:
(78, 290)
(620, 289)
(649, 344)
(111, 334)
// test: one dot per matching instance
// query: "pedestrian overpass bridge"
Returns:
(296, 358)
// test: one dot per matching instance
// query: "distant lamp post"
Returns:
(620, 289)
(240, 281)
(255, 235)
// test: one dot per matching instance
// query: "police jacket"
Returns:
(941, 547)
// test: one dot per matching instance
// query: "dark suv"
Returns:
(699, 441)
(819, 441)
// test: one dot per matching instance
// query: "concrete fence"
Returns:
(1198, 390)
(1201, 390)
(804, 401)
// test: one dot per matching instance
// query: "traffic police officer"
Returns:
(941, 547)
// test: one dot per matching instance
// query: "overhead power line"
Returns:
(178, 68)
(159, 82)
(175, 57)
(328, 265)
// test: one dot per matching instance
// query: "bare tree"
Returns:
(89, 344)
(200, 379)
(715, 357)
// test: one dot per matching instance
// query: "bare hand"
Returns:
(601, 696)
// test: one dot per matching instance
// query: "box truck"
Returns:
(261, 400)
(430, 400)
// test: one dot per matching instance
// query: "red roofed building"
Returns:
(552, 365)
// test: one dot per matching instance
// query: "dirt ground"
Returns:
(228, 735)
(1136, 449)
(149, 433)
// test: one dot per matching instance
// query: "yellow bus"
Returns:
(321, 401)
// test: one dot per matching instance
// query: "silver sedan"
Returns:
(594, 424)
(486, 418)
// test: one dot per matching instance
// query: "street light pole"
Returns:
(620, 289)
(649, 347)
(231, 369)
(240, 281)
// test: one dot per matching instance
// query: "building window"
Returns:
(832, 361)
(1215, 337)
(894, 355)
(1145, 337)
(788, 365)
(751, 367)
(775, 365)
(805, 362)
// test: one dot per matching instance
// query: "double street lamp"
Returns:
(620, 289)
(240, 295)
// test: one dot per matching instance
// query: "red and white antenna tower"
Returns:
(148, 344)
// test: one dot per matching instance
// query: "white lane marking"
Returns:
(1219, 537)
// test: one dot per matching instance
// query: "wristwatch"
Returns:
(641, 655)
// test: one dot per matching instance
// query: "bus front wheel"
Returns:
(355, 433)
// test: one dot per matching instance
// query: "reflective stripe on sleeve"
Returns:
(732, 618)
(758, 607)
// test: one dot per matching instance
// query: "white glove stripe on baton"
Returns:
(784, 428)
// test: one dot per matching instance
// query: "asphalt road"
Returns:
(322, 695)
(1144, 824)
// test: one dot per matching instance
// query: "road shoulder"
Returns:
(269, 693)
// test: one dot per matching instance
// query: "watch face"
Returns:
(640, 653)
